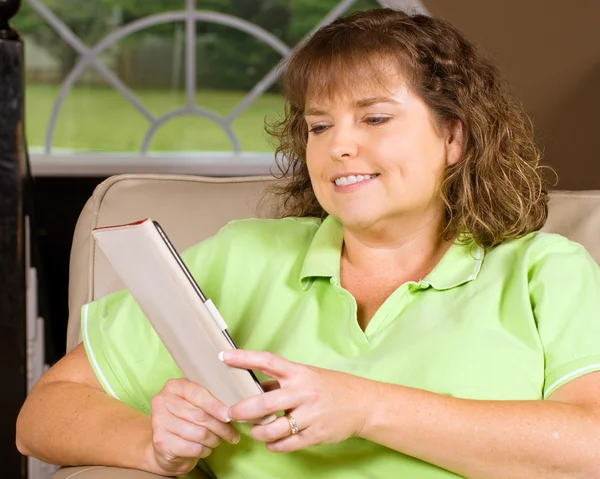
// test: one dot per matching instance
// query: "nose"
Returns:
(344, 143)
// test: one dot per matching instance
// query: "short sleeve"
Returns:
(564, 287)
(126, 354)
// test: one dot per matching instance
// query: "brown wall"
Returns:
(549, 50)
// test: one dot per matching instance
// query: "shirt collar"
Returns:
(459, 265)
(323, 256)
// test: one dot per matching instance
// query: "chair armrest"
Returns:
(101, 472)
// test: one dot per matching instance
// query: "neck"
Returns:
(407, 249)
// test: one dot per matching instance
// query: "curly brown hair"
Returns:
(496, 192)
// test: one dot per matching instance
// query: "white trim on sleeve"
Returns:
(571, 375)
(88, 345)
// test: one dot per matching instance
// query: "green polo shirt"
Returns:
(513, 323)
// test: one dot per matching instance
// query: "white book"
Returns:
(187, 322)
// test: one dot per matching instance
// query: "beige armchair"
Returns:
(193, 208)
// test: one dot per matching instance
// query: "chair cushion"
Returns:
(576, 215)
(191, 208)
(101, 472)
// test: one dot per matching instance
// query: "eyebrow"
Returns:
(362, 103)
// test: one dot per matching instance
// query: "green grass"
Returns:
(100, 119)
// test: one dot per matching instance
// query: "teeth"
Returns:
(351, 179)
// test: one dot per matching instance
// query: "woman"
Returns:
(417, 324)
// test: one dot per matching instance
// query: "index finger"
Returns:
(263, 405)
(267, 363)
(199, 397)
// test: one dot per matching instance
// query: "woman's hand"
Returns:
(327, 406)
(187, 424)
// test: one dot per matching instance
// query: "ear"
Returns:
(454, 142)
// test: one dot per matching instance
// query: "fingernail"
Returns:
(227, 419)
(236, 439)
(221, 355)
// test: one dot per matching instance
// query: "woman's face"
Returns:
(376, 156)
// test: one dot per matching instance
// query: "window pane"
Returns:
(190, 133)
(96, 117)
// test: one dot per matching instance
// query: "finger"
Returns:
(270, 385)
(273, 366)
(199, 397)
(278, 429)
(261, 405)
(291, 443)
(192, 433)
(169, 444)
(186, 411)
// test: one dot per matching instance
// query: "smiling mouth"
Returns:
(352, 179)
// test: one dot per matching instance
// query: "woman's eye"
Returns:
(377, 120)
(318, 129)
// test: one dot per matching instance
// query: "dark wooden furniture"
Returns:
(13, 204)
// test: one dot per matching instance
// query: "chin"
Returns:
(356, 220)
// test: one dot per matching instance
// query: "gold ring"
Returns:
(293, 424)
